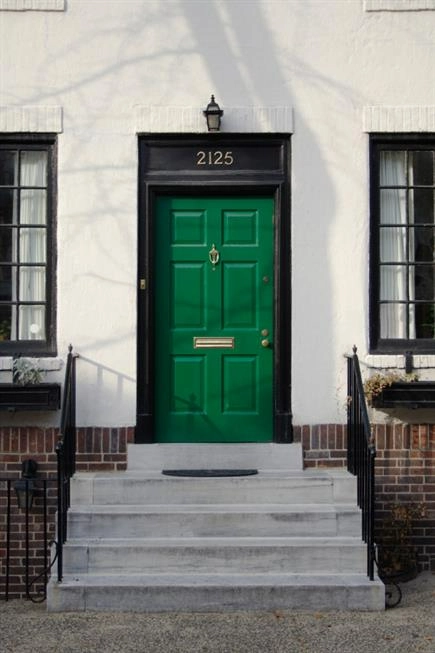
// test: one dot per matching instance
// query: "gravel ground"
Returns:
(26, 627)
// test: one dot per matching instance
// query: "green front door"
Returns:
(213, 319)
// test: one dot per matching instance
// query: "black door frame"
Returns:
(260, 164)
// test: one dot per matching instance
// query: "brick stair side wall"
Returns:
(98, 449)
(405, 471)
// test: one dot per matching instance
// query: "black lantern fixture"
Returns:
(213, 114)
(25, 487)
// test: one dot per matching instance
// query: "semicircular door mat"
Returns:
(209, 473)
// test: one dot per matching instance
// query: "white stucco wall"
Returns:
(327, 59)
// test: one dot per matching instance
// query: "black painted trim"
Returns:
(378, 142)
(40, 396)
(237, 182)
(403, 394)
(46, 347)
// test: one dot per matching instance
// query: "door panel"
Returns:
(213, 301)
(239, 310)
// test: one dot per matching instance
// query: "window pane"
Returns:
(392, 244)
(393, 206)
(8, 206)
(393, 168)
(422, 168)
(6, 276)
(32, 245)
(33, 168)
(8, 250)
(423, 242)
(33, 207)
(5, 322)
(8, 166)
(421, 205)
(32, 284)
(424, 282)
(425, 322)
(393, 283)
(393, 321)
(31, 320)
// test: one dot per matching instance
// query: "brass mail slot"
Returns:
(213, 343)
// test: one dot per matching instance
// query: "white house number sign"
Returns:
(214, 158)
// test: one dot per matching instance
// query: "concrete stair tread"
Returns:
(212, 508)
(217, 456)
(217, 592)
(314, 474)
(220, 579)
(241, 541)
(152, 487)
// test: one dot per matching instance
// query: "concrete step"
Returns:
(271, 456)
(215, 592)
(214, 554)
(120, 521)
(309, 486)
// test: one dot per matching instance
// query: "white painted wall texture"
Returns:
(99, 65)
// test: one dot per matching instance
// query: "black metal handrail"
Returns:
(66, 456)
(361, 454)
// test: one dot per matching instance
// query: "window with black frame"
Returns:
(402, 246)
(26, 252)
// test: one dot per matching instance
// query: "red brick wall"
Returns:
(324, 445)
(98, 449)
(405, 471)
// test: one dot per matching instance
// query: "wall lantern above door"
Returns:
(213, 114)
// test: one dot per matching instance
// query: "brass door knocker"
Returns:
(214, 256)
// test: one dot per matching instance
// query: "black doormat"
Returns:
(209, 473)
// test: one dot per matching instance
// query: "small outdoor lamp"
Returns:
(25, 487)
(213, 114)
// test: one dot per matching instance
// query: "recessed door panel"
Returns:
(240, 384)
(240, 227)
(239, 297)
(187, 293)
(187, 227)
(213, 303)
(188, 387)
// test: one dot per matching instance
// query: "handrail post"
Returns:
(8, 538)
(60, 481)
(66, 456)
(361, 454)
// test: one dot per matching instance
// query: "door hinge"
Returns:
(142, 284)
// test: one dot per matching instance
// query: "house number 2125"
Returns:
(214, 158)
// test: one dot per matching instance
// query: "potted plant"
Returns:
(28, 391)
(25, 372)
(376, 384)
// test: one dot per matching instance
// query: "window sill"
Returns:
(46, 364)
(392, 361)
(407, 394)
(32, 5)
(41, 396)
(399, 5)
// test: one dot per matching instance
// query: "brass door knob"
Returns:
(265, 343)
